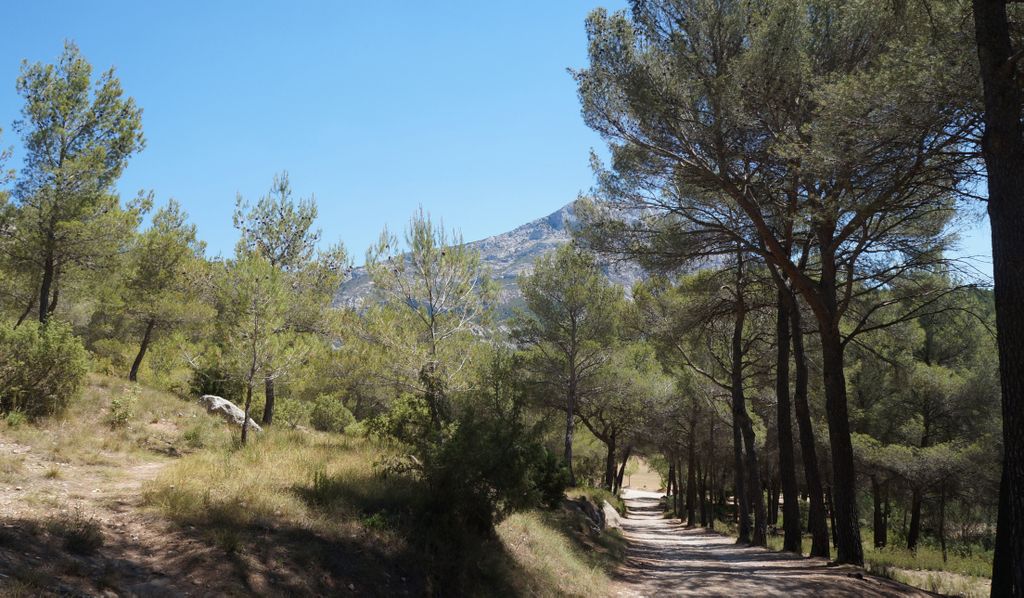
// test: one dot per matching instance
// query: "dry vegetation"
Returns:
(137, 490)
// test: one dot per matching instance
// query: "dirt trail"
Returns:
(665, 558)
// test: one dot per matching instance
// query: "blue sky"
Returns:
(463, 107)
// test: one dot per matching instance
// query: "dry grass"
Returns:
(552, 563)
(158, 423)
(327, 484)
(317, 482)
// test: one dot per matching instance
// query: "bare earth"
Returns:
(665, 558)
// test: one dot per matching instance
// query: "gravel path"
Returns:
(667, 559)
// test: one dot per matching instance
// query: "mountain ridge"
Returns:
(506, 256)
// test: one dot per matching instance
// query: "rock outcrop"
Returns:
(227, 410)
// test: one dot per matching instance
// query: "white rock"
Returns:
(611, 516)
(227, 410)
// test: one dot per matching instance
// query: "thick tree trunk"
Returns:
(133, 375)
(1003, 151)
(816, 522)
(880, 527)
(844, 486)
(915, 520)
(792, 540)
(268, 405)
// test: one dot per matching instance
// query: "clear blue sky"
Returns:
(463, 107)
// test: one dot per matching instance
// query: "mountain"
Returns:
(507, 256)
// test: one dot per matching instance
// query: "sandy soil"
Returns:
(666, 559)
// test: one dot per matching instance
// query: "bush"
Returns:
(293, 413)
(15, 419)
(122, 408)
(42, 368)
(478, 456)
(330, 415)
(211, 380)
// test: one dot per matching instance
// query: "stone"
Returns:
(612, 520)
(227, 410)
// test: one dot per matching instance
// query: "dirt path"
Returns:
(665, 558)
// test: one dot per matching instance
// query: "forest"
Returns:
(806, 363)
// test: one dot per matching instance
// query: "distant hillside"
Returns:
(507, 256)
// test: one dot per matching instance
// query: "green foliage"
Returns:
(212, 380)
(292, 412)
(42, 368)
(480, 464)
(78, 135)
(15, 419)
(122, 408)
(329, 414)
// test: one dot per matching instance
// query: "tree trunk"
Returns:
(702, 489)
(915, 520)
(711, 473)
(942, 521)
(622, 468)
(792, 540)
(609, 464)
(759, 531)
(570, 407)
(56, 292)
(672, 484)
(879, 517)
(691, 480)
(268, 405)
(816, 523)
(774, 492)
(830, 505)
(133, 375)
(44, 289)
(24, 314)
(844, 487)
(245, 419)
(1003, 151)
(741, 514)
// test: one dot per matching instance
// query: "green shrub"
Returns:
(291, 412)
(122, 408)
(15, 419)
(330, 415)
(42, 368)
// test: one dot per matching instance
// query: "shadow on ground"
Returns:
(666, 558)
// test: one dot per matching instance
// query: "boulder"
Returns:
(612, 520)
(227, 410)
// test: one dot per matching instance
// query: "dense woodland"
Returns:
(805, 358)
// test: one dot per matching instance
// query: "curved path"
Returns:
(667, 559)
